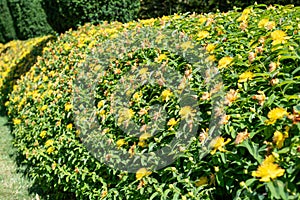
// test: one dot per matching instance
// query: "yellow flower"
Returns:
(224, 62)
(202, 20)
(69, 126)
(186, 112)
(278, 138)
(143, 71)
(137, 96)
(17, 121)
(142, 143)
(246, 76)
(102, 113)
(211, 58)
(143, 138)
(43, 134)
(172, 122)
(210, 48)
(166, 94)
(218, 144)
(263, 22)
(246, 11)
(124, 115)
(120, 142)
(276, 113)
(67, 47)
(244, 15)
(68, 106)
(50, 150)
(278, 37)
(202, 34)
(161, 57)
(49, 143)
(201, 181)
(6, 103)
(187, 45)
(268, 170)
(142, 172)
(44, 107)
(100, 104)
(45, 78)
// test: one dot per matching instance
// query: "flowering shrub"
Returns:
(256, 155)
(16, 59)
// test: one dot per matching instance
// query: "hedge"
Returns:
(257, 153)
(29, 19)
(7, 32)
(16, 59)
(65, 14)
(151, 8)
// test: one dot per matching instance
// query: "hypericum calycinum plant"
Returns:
(257, 153)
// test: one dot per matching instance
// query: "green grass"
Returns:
(13, 186)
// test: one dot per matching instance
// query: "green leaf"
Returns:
(296, 70)
(284, 150)
(249, 182)
(252, 149)
(176, 196)
(153, 195)
(165, 194)
(273, 190)
(281, 187)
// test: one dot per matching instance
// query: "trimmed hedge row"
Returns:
(255, 157)
(16, 59)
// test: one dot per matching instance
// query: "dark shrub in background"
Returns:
(65, 14)
(29, 18)
(7, 30)
(158, 8)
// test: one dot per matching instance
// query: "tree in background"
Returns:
(65, 14)
(158, 8)
(29, 18)
(7, 30)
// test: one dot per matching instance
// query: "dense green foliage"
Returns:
(257, 153)
(29, 19)
(65, 14)
(7, 30)
(158, 8)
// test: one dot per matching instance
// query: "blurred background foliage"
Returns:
(157, 8)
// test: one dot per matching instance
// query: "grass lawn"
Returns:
(13, 186)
